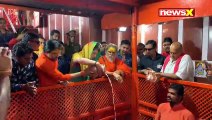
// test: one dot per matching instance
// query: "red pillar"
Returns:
(134, 65)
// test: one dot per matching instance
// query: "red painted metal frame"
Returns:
(146, 113)
(84, 4)
(134, 64)
(193, 84)
(127, 2)
(123, 109)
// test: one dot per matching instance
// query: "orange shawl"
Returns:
(113, 66)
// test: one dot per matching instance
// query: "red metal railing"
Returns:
(90, 100)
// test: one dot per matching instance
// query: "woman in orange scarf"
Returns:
(47, 66)
(114, 66)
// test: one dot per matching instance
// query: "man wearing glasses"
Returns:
(152, 60)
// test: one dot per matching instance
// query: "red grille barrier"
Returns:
(90, 100)
(197, 98)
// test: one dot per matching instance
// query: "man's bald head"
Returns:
(177, 46)
(176, 50)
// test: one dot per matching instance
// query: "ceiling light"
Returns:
(122, 29)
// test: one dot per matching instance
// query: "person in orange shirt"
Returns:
(113, 65)
(174, 109)
(47, 64)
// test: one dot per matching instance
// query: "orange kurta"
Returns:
(113, 66)
(178, 112)
(48, 73)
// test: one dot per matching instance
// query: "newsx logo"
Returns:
(176, 12)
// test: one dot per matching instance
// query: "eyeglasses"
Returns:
(149, 49)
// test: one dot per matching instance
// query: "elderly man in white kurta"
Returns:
(178, 65)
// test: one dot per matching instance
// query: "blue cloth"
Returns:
(128, 58)
(22, 75)
(5, 38)
(64, 64)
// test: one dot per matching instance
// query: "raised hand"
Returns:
(6, 63)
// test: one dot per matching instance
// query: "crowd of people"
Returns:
(173, 63)
(48, 62)
(37, 62)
